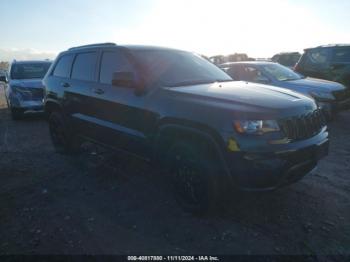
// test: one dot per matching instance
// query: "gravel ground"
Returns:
(104, 203)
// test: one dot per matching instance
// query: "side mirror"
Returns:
(3, 78)
(123, 79)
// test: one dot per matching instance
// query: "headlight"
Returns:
(256, 127)
(322, 95)
(20, 89)
(23, 92)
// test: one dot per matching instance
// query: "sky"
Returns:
(39, 29)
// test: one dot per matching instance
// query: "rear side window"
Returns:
(84, 66)
(63, 66)
(113, 62)
(341, 55)
(316, 58)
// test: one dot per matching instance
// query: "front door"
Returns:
(124, 119)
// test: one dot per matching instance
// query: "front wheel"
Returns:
(64, 141)
(194, 177)
(16, 113)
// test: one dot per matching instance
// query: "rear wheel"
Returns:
(63, 139)
(194, 177)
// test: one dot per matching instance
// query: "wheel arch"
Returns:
(52, 106)
(171, 129)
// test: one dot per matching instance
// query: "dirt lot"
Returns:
(102, 203)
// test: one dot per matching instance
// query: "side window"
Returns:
(113, 62)
(84, 66)
(341, 55)
(236, 72)
(63, 66)
(253, 75)
(316, 58)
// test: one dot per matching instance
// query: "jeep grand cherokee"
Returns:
(175, 108)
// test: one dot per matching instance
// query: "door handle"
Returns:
(66, 85)
(99, 91)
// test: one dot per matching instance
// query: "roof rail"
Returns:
(92, 45)
(331, 45)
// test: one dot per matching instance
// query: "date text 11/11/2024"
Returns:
(173, 258)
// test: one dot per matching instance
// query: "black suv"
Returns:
(330, 62)
(177, 109)
(288, 59)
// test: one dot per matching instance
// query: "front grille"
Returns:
(341, 95)
(303, 127)
(37, 93)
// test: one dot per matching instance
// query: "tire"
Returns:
(194, 177)
(16, 113)
(64, 141)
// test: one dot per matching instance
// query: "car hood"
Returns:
(32, 83)
(314, 84)
(239, 92)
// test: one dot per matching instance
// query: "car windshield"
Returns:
(281, 73)
(177, 68)
(29, 70)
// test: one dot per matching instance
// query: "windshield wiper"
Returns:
(198, 82)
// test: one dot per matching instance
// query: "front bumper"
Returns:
(270, 170)
(26, 105)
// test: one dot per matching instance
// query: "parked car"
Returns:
(288, 59)
(330, 62)
(324, 92)
(3, 77)
(24, 88)
(3, 73)
(218, 59)
(179, 110)
(236, 57)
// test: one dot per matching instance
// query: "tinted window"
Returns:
(84, 66)
(63, 66)
(236, 72)
(289, 60)
(253, 74)
(29, 70)
(316, 58)
(177, 68)
(113, 62)
(341, 55)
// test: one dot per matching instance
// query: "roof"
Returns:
(92, 46)
(31, 61)
(248, 62)
(130, 47)
(146, 47)
(329, 46)
(288, 53)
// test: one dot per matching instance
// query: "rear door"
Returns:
(78, 94)
(59, 80)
